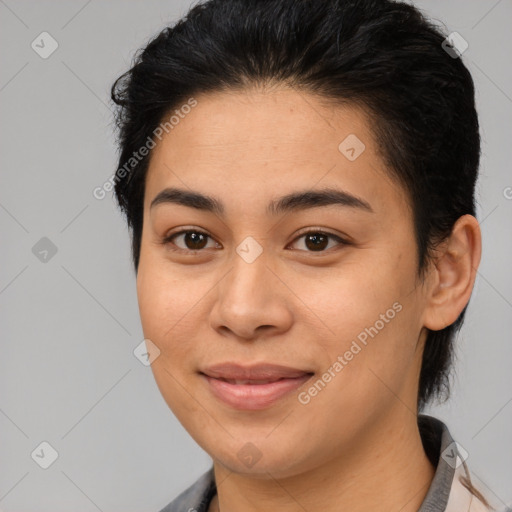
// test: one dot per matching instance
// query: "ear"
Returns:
(453, 274)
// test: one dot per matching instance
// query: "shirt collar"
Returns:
(437, 443)
(442, 453)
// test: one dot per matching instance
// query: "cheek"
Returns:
(166, 305)
(356, 297)
(368, 316)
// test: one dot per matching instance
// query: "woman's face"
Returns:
(344, 309)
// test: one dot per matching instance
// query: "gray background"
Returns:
(68, 374)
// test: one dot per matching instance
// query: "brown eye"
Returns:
(192, 240)
(318, 241)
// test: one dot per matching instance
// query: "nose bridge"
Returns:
(247, 298)
(249, 273)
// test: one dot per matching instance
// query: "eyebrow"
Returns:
(294, 201)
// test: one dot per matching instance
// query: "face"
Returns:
(325, 286)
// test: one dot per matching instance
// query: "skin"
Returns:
(355, 446)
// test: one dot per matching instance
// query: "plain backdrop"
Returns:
(69, 316)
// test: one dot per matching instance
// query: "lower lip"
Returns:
(253, 397)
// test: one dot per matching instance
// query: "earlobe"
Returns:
(454, 274)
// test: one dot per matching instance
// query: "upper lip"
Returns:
(263, 371)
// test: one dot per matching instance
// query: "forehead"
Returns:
(251, 144)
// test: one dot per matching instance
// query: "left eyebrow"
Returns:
(294, 201)
(313, 198)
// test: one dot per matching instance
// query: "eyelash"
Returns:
(168, 240)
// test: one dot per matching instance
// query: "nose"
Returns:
(251, 300)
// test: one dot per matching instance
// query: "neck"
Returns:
(387, 469)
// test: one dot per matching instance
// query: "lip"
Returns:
(262, 371)
(253, 387)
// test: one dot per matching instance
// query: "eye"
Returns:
(193, 239)
(317, 240)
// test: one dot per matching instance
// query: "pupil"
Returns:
(318, 241)
(196, 240)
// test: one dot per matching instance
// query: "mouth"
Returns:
(252, 382)
(253, 387)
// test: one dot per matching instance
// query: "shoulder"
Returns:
(464, 495)
(452, 489)
(195, 498)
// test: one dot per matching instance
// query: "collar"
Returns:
(446, 493)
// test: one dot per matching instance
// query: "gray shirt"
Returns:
(446, 492)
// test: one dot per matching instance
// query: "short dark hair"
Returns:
(382, 55)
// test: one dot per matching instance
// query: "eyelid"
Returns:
(324, 231)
